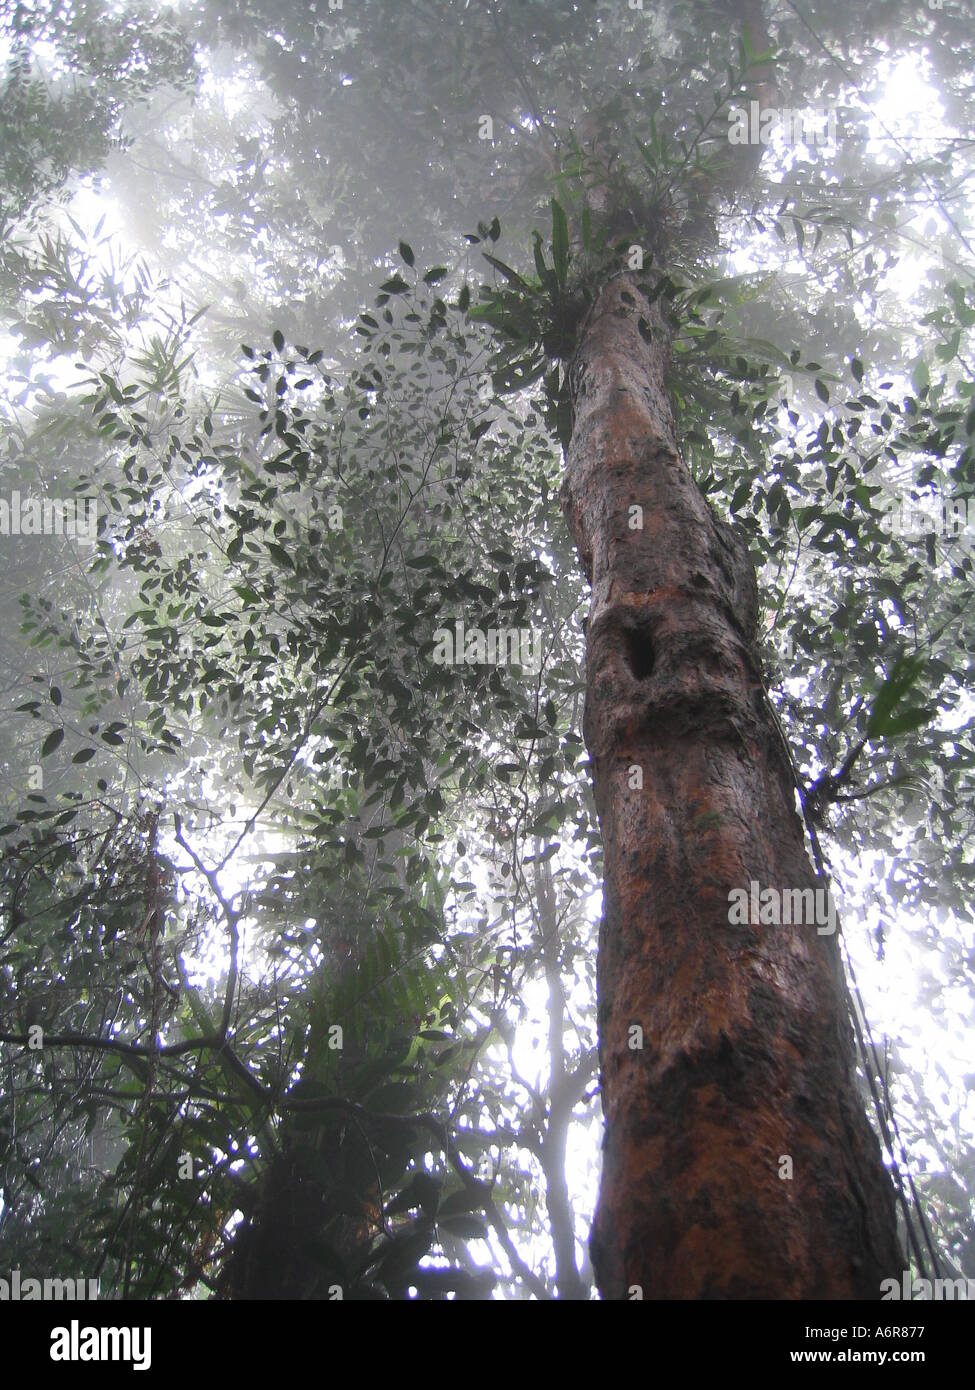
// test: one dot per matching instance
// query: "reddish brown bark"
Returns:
(747, 1051)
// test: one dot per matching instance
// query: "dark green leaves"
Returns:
(515, 376)
(507, 272)
(560, 243)
(883, 721)
(545, 274)
(394, 285)
(53, 740)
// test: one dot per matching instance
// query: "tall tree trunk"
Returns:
(747, 1055)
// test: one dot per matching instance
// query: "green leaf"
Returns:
(460, 1203)
(53, 740)
(920, 376)
(465, 1226)
(507, 272)
(911, 718)
(804, 515)
(560, 242)
(741, 495)
(546, 276)
(822, 390)
(278, 553)
(518, 375)
(519, 327)
(277, 338)
(406, 251)
(395, 285)
(892, 691)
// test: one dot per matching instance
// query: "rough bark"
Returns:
(747, 1052)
